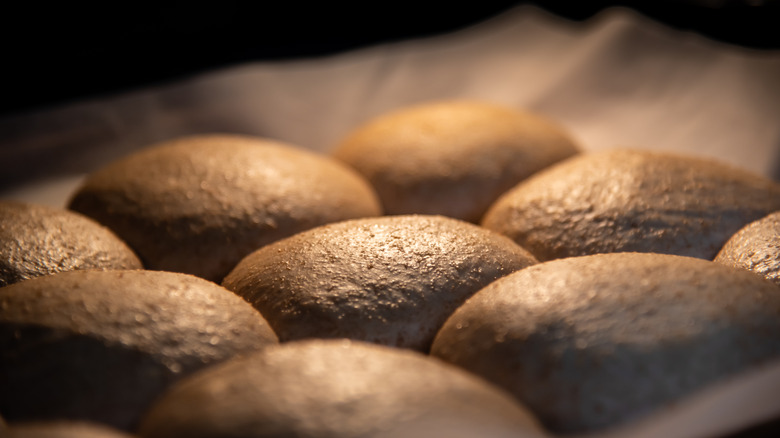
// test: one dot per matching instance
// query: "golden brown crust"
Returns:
(630, 200)
(200, 204)
(332, 388)
(391, 280)
(756, 247)
(37, 240)
(452, 158)
(100, 345)
(591, 342)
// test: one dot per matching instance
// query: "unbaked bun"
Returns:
(324, 389)
(101, 345)
(591, 342)
(452, 158)
(756, 248)
(199, 204)
(391, 280)
(37, 240)
(630, 200)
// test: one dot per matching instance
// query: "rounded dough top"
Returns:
(101, 345)
(630, 200)
(333, 388)
(391, 280)
(452, 158)
(756, 247)
(63, 429)
(199, 204)
(38, 240)
(591, 342)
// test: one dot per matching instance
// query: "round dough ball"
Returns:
(36, 240)
(330, 388)
(756, 248)
(452, 158)
(198, 205)
(391, 280)
(101, 345)
(630, 200)
(62, 429)
(591, 342)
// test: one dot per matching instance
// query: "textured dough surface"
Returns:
(391, 280)
(328, 388)
(755, 248)
(37, 240)
(452, 158)
(100, 345)
(592, 342)
(198, 205)
(626, 200)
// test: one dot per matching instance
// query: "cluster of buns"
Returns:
(452, 269)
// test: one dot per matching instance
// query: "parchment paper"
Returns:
(618, 80)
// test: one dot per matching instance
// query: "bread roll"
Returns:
(200, 204)
(329, 388)
(629, 200)
(756, 247)
(101, 345)
(391, 280)
(588, 343)
(452, 158)
(37, 240)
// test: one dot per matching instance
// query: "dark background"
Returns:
(59, 52)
